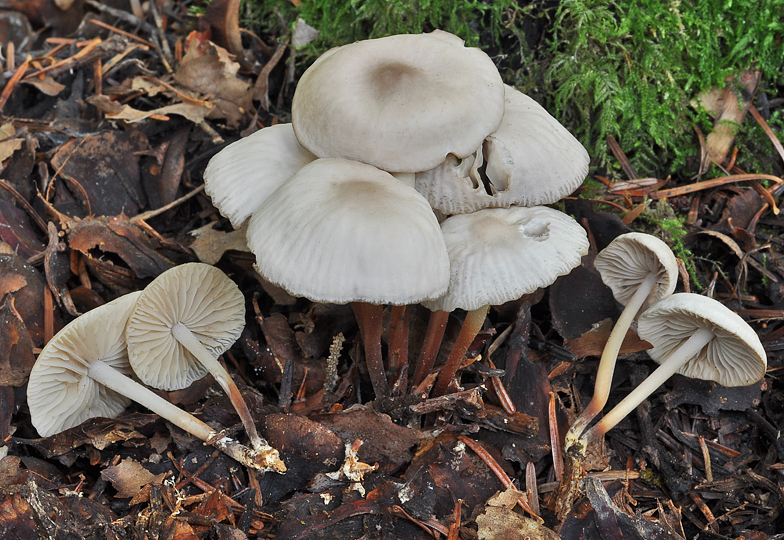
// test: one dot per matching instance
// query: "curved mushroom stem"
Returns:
(263, 459)
(604, 374)
(685, 352)
(471, 327)
(436, 326)
(369, 317)
(188, 340)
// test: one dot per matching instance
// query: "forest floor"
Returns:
(109, 118)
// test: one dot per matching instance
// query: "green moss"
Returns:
(345, 22)
(629, 68)
(672, 229)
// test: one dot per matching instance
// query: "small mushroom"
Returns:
(497, 255)
(401, 103)
(697, 337)
(240, 177)
(341, 231)
(641, 270)
(531, 159)
(183, 321)
(83, 372)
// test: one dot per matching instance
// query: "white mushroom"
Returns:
(497, 255)
(401, 103)
(240, 177)
(641, 270)
(341, 231)
(697, 337)
(83, 373)
(531, 159)
(183, 321)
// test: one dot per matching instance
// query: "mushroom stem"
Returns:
(604, 374)
(188, 340)
(433, 338)
(685, 352)
(398, 339)
(369, 317)
(471, 327)
(111, 378)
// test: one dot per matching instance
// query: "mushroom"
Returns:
(183, 321)
(641, 270)
(497, 255)
(697, 337)
(531, 159)
(83, 372)
(341, 231)
(240, 177)
(401, 103)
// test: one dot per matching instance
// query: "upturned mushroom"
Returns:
(497, 255)
(83, 372)
(640, 270)
(341, 231)
(182, 322)
(531, 159)
(401, 103)
(697, 337)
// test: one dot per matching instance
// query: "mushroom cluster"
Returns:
(337, 201)
(167, 336)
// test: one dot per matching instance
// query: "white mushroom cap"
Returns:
(204, 300)
(630, 258)
(401, 103)
(240, 177)
(734, 357)
(341, 231)
(500, 254)
(60, 393)
(531, 160)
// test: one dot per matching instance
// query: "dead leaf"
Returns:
(47, 85)
(129, 477)
(592, 342)
(16, 518)
(223, 17)
(8, 147)
(210, 245)
(16, 347)
(207, 69)
(193, 112)
(105, 169)
(498, 523)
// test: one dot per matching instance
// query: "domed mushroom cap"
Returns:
(734, 357)
(203, 299)
(401, 103)
(60, 393)
(500, 254)
(342, 231)
(630, 258)
(531, 160)
(240, 177)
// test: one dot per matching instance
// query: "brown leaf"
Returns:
(16, 347)
(223, 17)
(128, 477)
(16, 518)
(210, 245)
(17, 231)
(207, 69)
(105, 169)
(503, 524)
(592, 342)
(119, 236)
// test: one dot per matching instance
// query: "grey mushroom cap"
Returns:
(240, 177)
(531, 159)
(342, 231)
(629, 258)
(401, 103)
(60, 393)
(734, 357)
(500, 254)
(203, 299)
